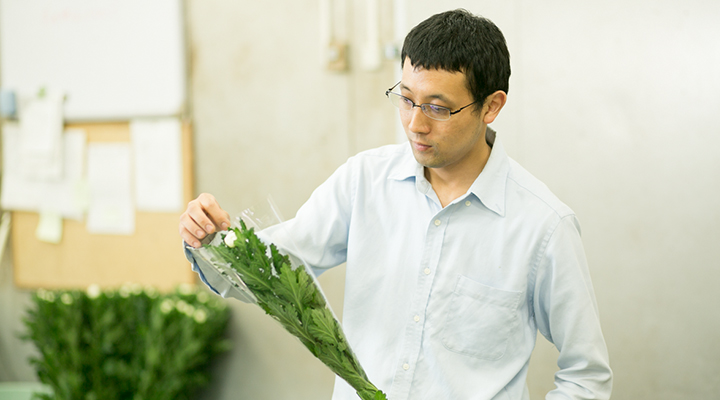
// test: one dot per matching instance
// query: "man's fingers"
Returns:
(202, 217)
(197, 220)
(188, 237)
(190, 226)
(218, 218)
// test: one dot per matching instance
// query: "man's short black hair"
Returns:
(458, 41)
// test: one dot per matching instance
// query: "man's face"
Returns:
(453, 145)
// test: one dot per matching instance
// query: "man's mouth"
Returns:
(420, 146)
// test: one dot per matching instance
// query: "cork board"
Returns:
(151, 256)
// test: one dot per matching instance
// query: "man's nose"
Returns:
(419, 122)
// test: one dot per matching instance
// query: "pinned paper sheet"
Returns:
(111, 209)
(41, 127)
(62, 196)
(158, 164)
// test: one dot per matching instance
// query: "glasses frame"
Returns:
(424, 107)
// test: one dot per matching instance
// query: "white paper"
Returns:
(62, 196)
(111, 209)
(49, 228)
(158, 164)
(41, 127)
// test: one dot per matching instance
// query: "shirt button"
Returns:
(467, 203)
(438, 222)
(416, 318)
(427, 271)
(406, 366)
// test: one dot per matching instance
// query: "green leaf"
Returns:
(277, 258)
(323, 326)
(294, 286)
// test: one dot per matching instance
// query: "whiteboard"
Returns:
(114, 59)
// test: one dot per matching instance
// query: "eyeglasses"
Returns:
(433, 111)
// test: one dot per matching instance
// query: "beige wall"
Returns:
(613, 104)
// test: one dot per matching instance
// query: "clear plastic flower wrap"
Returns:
(289, 292)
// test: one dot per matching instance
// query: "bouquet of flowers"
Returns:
(291, 296)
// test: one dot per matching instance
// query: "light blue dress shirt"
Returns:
(445, 303)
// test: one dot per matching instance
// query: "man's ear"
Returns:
(494, 104)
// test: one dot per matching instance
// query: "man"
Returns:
(456, 256)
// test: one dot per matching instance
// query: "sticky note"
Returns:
(49, 228)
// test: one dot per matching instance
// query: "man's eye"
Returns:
(438, 110)
(407, 101)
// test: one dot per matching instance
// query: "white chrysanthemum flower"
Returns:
(66, 298)
(150, 291)
(93, 291)
(136, 289)
(166, 306)
(189, 310)
(182, 306)
(230, 239)
(125, 291)
(46, 295)
(186, 289)
(200, 316)
(203, 297)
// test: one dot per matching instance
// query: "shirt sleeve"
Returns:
(566, 314)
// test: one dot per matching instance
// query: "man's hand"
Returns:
(203, 216)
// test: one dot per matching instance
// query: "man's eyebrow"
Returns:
(438, 96)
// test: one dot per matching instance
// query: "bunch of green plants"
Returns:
(130, 343)
(291, 296)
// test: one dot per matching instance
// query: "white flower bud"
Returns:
(230, 239)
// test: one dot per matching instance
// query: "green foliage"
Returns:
(125, 344)
(291, 297)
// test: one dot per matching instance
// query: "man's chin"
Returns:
(427, 162)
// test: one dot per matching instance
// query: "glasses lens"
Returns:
(399, 101)
(436, 112)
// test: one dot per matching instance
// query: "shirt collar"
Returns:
(489, 187)
(407, 167)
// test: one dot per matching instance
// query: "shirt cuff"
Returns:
(196, 268)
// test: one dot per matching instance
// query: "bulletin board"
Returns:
(153, 255)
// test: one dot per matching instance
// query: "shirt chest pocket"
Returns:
(480, 319)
